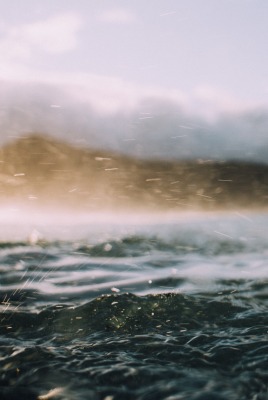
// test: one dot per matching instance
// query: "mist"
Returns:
(154, 127)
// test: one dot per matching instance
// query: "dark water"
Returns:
(159, 311)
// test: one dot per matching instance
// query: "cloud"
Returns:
(117, 16)
(111, 95)
(144, 122)
(149, 127)
(57, 34)
(21, 45)
(212, 95)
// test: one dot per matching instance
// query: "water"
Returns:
(172, 308)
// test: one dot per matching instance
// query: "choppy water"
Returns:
(174, 310)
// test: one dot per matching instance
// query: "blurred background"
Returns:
(176, 79)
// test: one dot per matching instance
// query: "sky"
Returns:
(207, 57)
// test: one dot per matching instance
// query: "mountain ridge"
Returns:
(46, 171)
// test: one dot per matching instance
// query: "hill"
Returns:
(40, 170)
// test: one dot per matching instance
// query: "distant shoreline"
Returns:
(40, 172)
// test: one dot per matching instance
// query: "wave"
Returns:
(175, 239)
(153, 311)
(164, 346)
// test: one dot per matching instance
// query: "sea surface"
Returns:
(123, 308)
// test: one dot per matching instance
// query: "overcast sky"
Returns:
(207, 55)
